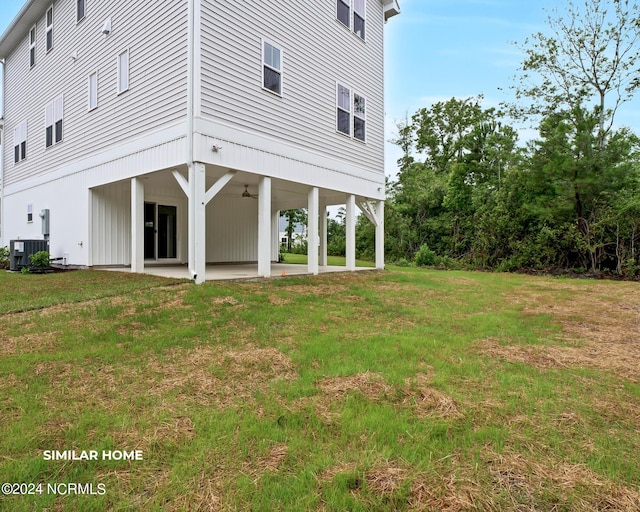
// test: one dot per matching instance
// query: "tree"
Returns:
(592, 54)
(293, 217)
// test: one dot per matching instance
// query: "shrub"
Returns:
(425, 257)
(40, 260)
(4, 257)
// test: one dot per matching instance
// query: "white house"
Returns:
(138, 126)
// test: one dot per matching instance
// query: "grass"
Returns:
(338, 261)
(406, 389)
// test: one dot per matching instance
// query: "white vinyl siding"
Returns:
(54, 117)
(80, 10)
(319, 52)
(32, 46)
(272, 67)
(92, 92)
(123, 71)
(49, 29)
(156, 99)
(20, 142)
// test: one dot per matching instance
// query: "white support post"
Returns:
(351, 232)
(197, 222)
(323, 234)
(275, 235)
(137, 225)
(264, 227)
(380, 236)
(312, 231)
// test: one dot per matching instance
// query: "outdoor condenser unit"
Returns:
(20, 250)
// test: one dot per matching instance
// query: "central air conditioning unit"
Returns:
(20, 250)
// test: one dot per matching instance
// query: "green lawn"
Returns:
(400, 390)
(338, 261)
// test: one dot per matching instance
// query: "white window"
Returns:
(272, 68)
(351, 113)
(29, 213)
(54, 115)
(20, 142)
(344, 12)
(343, 104)
(32, 46)
(80, 10)
(352, 14)
(359, 117)
(123, 71)
(49, 28)
(93, 90)
(359, 7)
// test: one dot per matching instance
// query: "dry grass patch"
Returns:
(426, 401)
(600, 323)
(208, 375)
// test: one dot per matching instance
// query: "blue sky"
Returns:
(437, 49)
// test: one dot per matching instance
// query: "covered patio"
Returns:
(236, 271)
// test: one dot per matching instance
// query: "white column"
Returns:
(197, 222)
(323, 234)
(264, 227)
(137, 225)
(312, 231)
(275, 235)
(351, 232)
(380, 236)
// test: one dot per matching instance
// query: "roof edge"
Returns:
(21, 24)
(391, 8)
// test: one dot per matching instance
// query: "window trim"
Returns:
(29, 213)
(122, 90)
(340, 107)
(92, 91)
(84, 10)
(33, 39)
(49, 28)
(20, 132)
(54, 114)
(280, 71)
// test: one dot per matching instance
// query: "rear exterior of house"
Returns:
(175, 131)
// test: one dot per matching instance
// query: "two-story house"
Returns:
(174, 131)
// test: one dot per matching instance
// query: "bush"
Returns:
(402, 262)
(40, 260)
(4, 257)
(425, 257)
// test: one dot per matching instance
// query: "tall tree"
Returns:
(591, 57)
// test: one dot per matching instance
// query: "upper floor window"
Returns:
(32, 46)
(352, 14)
(272, 68)
(359, 7)
(54, 115)
(80, 10)
(123, 71)
(49, 29)
(344, 12)
(93, 90)
(20, 142)
(351, 118)
(29, 213)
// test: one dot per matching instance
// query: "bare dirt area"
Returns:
(600, 327)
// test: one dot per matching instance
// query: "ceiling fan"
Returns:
(248, 194)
